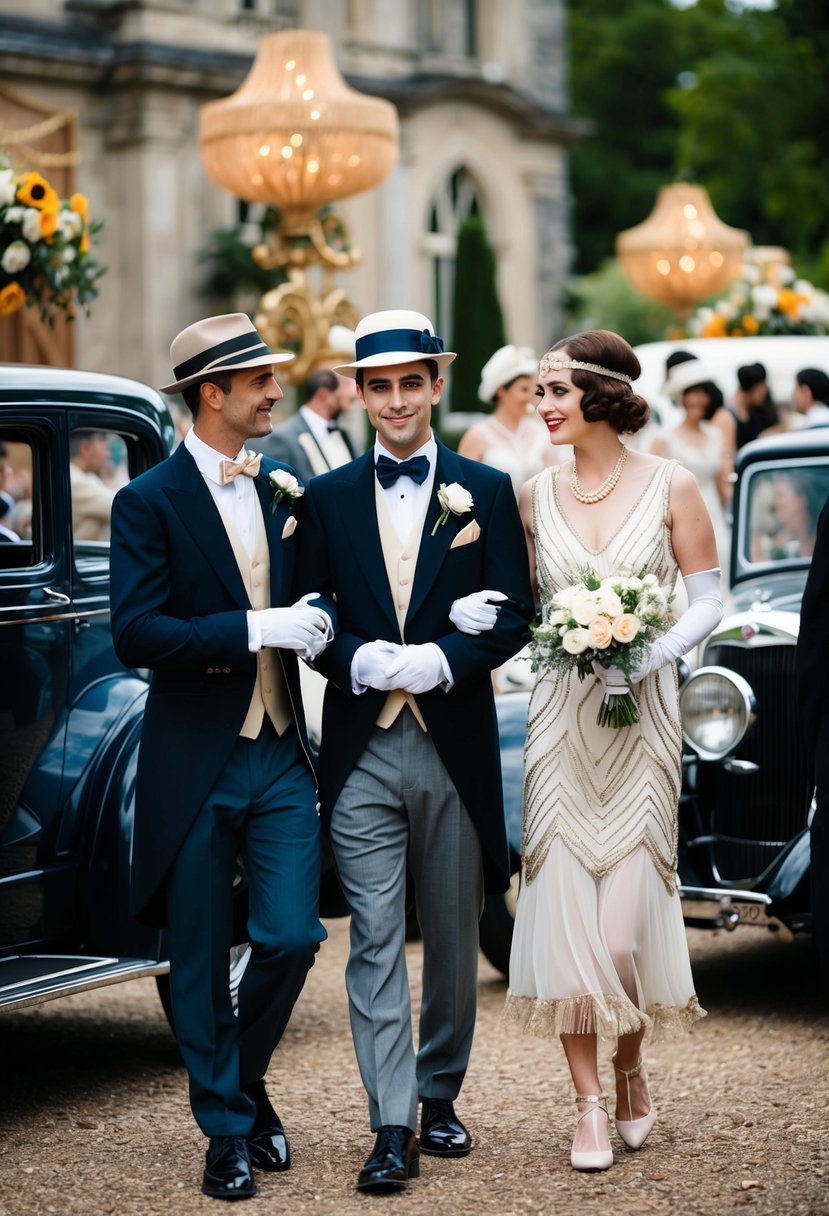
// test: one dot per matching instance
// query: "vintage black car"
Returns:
(70, 714)
(749, 788)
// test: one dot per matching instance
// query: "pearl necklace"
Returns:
(605, 488)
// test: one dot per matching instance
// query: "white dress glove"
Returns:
(418, 668)
(370, 664)
(703, 614)
(299, 628)
(477, 612)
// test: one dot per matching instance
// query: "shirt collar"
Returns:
(429, 450)
(208, 460)
(317, 425)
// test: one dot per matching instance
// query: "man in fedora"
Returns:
(406, 539)
(202, 561)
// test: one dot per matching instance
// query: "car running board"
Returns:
(31, 979)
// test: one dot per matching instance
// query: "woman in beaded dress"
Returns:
(599, 945)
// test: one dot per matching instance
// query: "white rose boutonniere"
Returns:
(454, 500)
(285, 486)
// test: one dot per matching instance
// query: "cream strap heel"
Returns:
(595, 1159)
(634, 1132)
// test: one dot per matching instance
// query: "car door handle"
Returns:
(57, 596)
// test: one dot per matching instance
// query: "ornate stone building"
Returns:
(481, 94)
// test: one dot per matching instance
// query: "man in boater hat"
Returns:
(407, 539)
(202, 563)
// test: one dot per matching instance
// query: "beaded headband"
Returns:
(556, 363)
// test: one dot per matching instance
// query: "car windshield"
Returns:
(780, 506)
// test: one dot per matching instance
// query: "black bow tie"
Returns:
(388, 471)
(332, 426)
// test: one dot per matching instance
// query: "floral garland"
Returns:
(44, 246)
(767, 299)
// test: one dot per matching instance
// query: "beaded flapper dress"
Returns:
(599, 942)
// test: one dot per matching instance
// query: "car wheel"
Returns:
(498, 921)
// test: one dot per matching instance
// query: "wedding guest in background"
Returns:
(91, 497)
(599, 944)
(810, 396)
(311, 441)
(511, 438)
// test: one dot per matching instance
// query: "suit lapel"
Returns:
(433, 549)
(274, 523)
(195, 507)
(360, 522)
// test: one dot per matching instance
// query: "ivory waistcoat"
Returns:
(270, 692)
(401, 559)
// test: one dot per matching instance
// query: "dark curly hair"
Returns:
(606, 399)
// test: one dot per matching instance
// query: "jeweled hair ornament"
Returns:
(554, 363)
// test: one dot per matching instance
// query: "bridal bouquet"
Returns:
(610, 620)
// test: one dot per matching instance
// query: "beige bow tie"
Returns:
(228, 469)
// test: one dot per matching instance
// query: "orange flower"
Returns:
(48, 222)
(35, 191)
(750, 324)
(715, 328)
(12, 297)
(80, 203)
(737, 332)
(789, 302)
(84, 245)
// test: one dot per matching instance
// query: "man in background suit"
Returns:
(812, 662)
(202, 559)
(409, 764)
(311, 441)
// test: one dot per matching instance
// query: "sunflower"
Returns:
(35, 191)
(12, 297)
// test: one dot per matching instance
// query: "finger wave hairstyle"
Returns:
(606, 399)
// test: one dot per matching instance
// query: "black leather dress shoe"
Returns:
(441, 1132)
(227, 1171)
(268, 1145)
(393, 1161)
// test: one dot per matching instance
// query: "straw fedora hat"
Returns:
(383, 339)
(227, 343)
(687, 375)
(507, 364)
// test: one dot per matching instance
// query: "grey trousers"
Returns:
(399, 808)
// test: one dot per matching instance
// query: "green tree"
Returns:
(477, 320)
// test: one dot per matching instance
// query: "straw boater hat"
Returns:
(384, 339)
(687, 375)
(506, 365)
(219, 344)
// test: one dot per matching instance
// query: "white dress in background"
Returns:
(520, 453)
(705, 462)
(599, 942)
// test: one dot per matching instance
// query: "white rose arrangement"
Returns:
(454, 500)
(285, 486)
(610, 620)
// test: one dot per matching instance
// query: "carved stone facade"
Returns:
(480, 90)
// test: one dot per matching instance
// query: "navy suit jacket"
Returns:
(812, 656)
(342, 558)
(179, 607)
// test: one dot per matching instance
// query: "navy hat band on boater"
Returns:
(250, 344)
(418, 341)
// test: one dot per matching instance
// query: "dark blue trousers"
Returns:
(263, 808)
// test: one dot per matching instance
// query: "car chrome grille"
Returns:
(753, 816)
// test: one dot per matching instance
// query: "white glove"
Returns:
(704, 613)
(370, 664)
(300, 628)
(612, 678)
(476, 613)
(418, 668)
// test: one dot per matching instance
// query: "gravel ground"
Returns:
(94, 1116)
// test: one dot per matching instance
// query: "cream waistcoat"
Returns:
(270, 692)
(401, 559)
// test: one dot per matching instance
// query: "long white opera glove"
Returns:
(703, 614)
(300, 628)
(476, 613)
(370, 664)
(418, 668)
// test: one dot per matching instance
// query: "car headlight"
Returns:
(717, 708)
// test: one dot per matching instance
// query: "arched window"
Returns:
(453, 202)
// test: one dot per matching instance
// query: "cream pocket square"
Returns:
(290, 527)
(466, 535)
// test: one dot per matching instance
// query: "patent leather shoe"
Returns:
(441, 1132)
(393, 1161)
(267, 1145)
(227, 1170)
